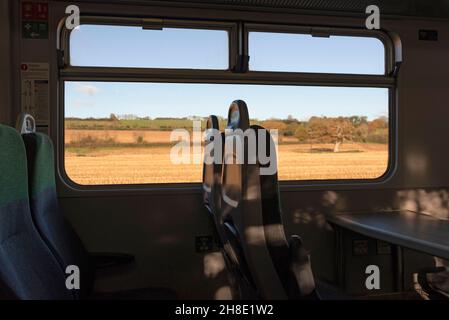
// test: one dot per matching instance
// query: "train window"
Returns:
(119, 132)
(131, 91)
(136, 47)
(292, 52)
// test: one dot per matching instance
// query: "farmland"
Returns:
(138, 151)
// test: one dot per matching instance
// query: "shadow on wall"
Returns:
(214, 268)
(431, 202)
(307, 218)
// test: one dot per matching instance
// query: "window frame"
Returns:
(149, 23)
(325, 32)
(238, 46)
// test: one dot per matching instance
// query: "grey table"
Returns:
(406, 229)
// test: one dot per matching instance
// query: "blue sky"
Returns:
(134, 47)
(120, 46)
(304, 53)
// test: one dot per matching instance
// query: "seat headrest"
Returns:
(212, 123)
(41, 167)
(211, 167)
(26, 123)
(13, 167)
(238, 117)
(212, 127)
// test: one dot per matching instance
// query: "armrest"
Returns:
(434, 281)
(236, 254)
(301, 269)
(103, 260)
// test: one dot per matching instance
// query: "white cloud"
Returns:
(88, 89)
(81, 103)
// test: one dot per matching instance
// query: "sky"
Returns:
(208, 49)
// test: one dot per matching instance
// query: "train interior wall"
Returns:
(159, 227)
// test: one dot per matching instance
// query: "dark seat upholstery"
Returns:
(251, 212)
(28, 269)
(237, 118)
(213, 151)
(212, 168)
(290, 259)
(57, 233)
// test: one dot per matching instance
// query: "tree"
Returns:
(378, 136)
(291, 129)
(361, 132)
(113, 117)
(301, 133)
(378, 130)
(342, 130)
(358, 120)
(379, 123)
(317, 131)
(290, 119)
(275, 125)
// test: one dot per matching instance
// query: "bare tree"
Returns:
(343, 130)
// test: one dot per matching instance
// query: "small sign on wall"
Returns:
(34, 30)
(34, 11)
(34, 20)
(34, 90)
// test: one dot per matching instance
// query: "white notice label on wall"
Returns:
(34, 91)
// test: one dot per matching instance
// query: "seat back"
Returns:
(212, 167)
(212, 174)
(27, 267)
(51, 224)
(233, 198)
(290, 259)
(242, 206)
(251, 209)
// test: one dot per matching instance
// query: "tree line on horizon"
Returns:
(335, 130)
(316, 130)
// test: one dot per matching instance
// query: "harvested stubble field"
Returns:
(133, 160)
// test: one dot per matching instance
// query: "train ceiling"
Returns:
(417, 8)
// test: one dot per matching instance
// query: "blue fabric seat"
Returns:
(28, 269)
(58, 233)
